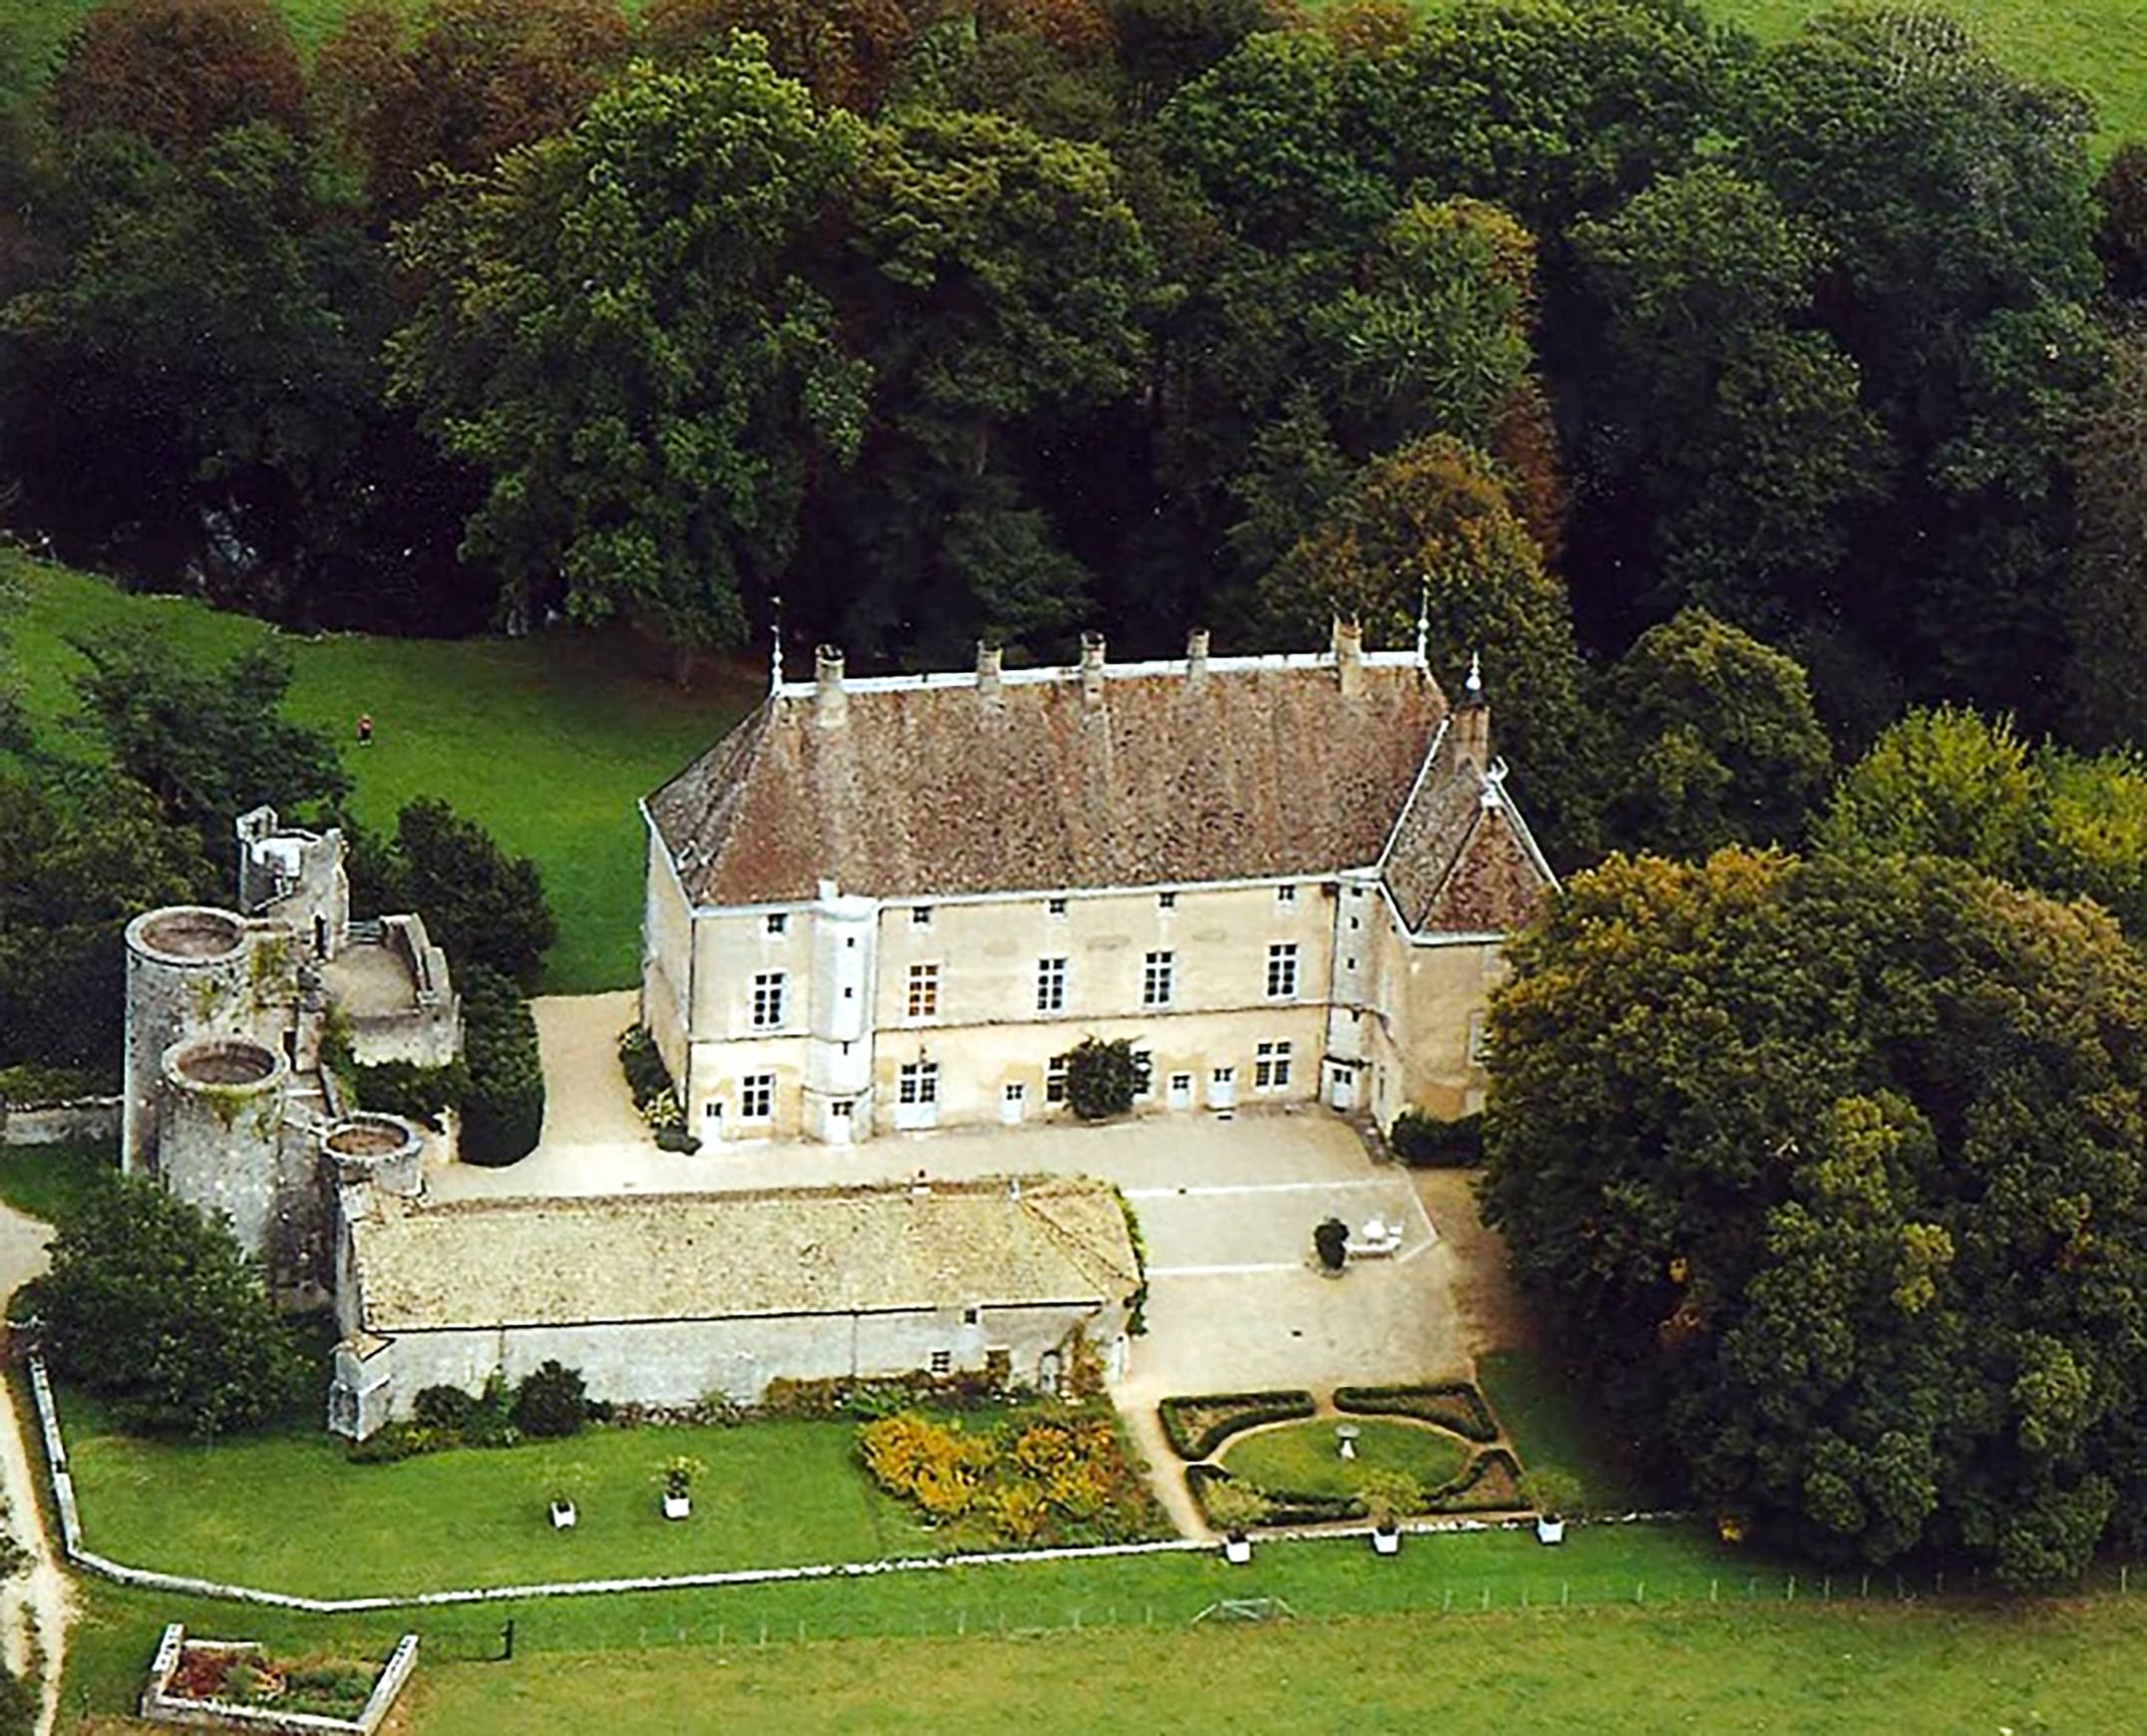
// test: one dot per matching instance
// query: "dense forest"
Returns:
(927, 320)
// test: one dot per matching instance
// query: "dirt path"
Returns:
(38, 1597)
(1166, 1474)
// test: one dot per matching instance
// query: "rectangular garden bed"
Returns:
(224, 1685)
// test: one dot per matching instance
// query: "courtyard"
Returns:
(1226, 1207)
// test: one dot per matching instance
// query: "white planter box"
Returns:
(562, 1515)
(1550, 1530)
(1238, 1550)
(677, 1506)
(1386, 1543)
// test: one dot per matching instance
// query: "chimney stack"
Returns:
(1092, 668)
(987, 672)
(1472, 718)
(1197, 656)
(1348, 645)
(830, 705)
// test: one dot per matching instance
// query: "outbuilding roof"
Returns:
(996, 1242)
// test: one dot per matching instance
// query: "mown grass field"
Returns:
(547, 741)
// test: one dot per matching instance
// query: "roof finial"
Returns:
(1475, 683)
(775, 646)
(1423, 616)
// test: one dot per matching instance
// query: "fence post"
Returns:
(1639, 1593)
(1792, 1587)
(1715, 1591)
(1565, 1592)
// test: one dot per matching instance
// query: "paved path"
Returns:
(41, 1594)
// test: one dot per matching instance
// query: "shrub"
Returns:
(551, 1402)
(1424, 1143)
(485, 907)
(445, 1408)
(1551, 1490)
(157, 1309)
(393, 1443)
(1282, 1506)
(642, 1063)
(1103, 1078)
(1195, 1427)
(1391, 1496)
(503, 1112)
(31, 1083)
(1454, 1405)
(404, 1088)
(1234, 1505)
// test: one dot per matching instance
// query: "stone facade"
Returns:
(225, 1097)
(1342, 949)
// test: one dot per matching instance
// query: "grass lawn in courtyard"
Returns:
(549, 741)
(1305, 1458)
(288, 1511)
(50, 1182)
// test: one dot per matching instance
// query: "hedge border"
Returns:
(1470, 1415)
(1247, 1410)
(1286, 1507)
(1454, 1497)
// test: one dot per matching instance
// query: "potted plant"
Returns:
(1330, 1241)
(1554, 1492)
(1233, 1508)
(562, 1489)
(677, 1478)
(1389, 1498)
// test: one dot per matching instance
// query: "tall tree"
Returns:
(1718, 741)
(178, 72)
(1945, 781)
(611, 327)
(1430, 526)
(207, 741)
(844, 52)
(1836, 1161)
(2107, 599)
(474, 80)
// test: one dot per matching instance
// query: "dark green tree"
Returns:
(1835, 1159)
(483, 906)
(155, 1309)
(611, 328)
(79, 859)
(1717, 740)
(1947, 783)
(208, 741)
(502, 1109)
(1103, 1078)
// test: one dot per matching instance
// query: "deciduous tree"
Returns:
(178, 72)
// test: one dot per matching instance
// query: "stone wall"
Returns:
(159, 1705)
(85, 1121)
(679, 1362)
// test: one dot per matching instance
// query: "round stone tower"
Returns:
(220, 1129)
(384, 1150)
(189, 973)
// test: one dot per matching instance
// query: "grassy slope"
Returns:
(549, 742)
(1851, 1671)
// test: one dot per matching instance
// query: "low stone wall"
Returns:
(159, 1705)
(87, 1120)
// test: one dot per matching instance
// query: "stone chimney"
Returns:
(987, 672)
(1197, 656)
(830, 705)
(1092, 668)
(1472, 718)
(1348, 646)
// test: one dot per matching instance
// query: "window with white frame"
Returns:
(768, 988)
(756, 1097)
(1157, 980)
(917, 1082)
(1055, 907)
(1165, 900)
(1286, 894)
(1144, 1073)
(923, 1001)
(843, 1107)
(1015, 1092)
(1051, 985)
(1270, 1067)
(712, 1109)
(972, 1315)
(942, 1362)
(921, 915)
(1055, 1079)
(777, 923)
(1282, 970)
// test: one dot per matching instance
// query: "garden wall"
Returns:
(85, 1121)
(161, 1706)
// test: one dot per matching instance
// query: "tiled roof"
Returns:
(832, 1251)
(1462, 859)
(1258, 768)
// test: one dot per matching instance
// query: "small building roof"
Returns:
(995, 1243)
(1243, 769)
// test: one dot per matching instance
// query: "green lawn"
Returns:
(256, 1510)
(49, 1181)
(1303, 1458)
(1546, 1418)
(549, 742)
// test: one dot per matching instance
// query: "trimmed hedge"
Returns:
(1285, 1507)
(1453, 1405)
(1195, 1427)
(1425, 1143)
(1491, 1484)
(502, 1115)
